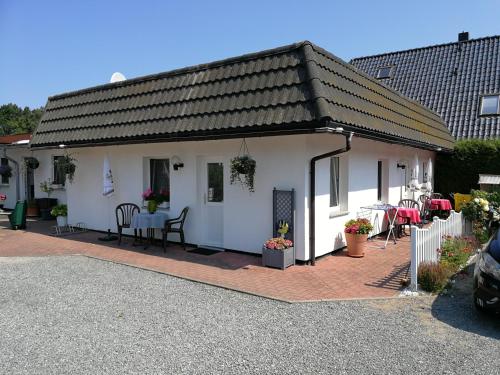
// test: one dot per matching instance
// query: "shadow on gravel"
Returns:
(456, 309)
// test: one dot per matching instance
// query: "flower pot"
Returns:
(152, 207)
(278, 258)
(62, 221)
(32, 211)
(356, 244)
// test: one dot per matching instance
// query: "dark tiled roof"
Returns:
(447, 78)
(292, 88)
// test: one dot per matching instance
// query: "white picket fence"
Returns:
(425, 242)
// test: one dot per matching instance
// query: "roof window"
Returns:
(384, 72)
(490, 105)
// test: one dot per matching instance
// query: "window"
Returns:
(59, 178)
(5, 179)
(490, 105)
(334, 182)
(424, 172)
(384, 72)
(379, 180)
(215, 182)
(159, 176)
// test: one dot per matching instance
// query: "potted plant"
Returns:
(32, 209)
(278, 253)
(155, 199)
(61, 213)
(356, 235)
(243, 171)
(66, 166)
(6, 171)
(31, 163)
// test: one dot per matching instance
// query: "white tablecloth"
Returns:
(147, 220)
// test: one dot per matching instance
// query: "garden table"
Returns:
(150, 222)
(440, 204)
(413, 214)
(391, 212)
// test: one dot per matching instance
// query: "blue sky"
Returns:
(49, 47)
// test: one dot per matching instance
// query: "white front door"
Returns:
(212, 188)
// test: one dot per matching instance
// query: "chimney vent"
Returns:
(463, 36)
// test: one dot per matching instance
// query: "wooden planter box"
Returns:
(278, 258)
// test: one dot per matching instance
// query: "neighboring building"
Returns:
(460, 81)
(290, 104)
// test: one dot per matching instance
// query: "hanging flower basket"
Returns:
(66, 166)
(31, 163)
(243, 168)
(6, 171)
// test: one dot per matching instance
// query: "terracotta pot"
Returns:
(356, 244)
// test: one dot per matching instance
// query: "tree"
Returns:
(16, 120)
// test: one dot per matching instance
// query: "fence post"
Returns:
(414, 261)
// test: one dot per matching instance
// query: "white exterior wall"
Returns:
(42, 173)
(358, 180)
(282, 162)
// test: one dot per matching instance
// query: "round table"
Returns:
(145, 220)
(412, 214)
(440, 204)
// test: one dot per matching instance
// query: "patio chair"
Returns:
(17, 218)
(407, 203)
(436, 196)
(175, 226)
(425, 209)
(124, 213)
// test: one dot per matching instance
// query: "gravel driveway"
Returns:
(77, 315)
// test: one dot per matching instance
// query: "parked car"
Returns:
(487, 277)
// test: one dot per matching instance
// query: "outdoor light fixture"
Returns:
(339, 129)
(177, 163)
(438, 149)
(62, 146)
(402, 166)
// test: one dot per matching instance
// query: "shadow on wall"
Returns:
(456, 309)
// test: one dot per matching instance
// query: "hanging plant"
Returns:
(243, 168)
(6, 171)
(66, 166)
(31, 163)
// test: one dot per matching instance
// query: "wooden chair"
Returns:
(407, 203)
(175, 226)
(124, 213)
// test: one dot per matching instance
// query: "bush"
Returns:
(433, 276)
(459, 171)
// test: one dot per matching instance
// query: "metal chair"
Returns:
(407, 203)
(436, 196)
(175, 226)
(124, 213)
(425, 209)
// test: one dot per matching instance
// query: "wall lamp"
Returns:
(177, 163)
(402, 166)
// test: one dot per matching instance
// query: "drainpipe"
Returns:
(16, 170)
(312, 185)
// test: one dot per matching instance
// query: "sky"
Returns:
(53, 46)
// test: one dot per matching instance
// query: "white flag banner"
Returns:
(108, 186)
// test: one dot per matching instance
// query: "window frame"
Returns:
(148, 182)
(481, 102)
(389, 74)
(5, 181)
(330, 179)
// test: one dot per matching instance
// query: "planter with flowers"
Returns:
(278, 253)
(155, 199)
(356, 235)
(61, 213)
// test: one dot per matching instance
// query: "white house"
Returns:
(289, 104)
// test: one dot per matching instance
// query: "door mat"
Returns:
(203, 251)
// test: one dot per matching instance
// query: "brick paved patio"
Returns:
(376, 275)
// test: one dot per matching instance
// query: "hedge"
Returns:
(459, 172)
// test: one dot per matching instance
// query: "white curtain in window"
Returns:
(334, 182)
(160, 176)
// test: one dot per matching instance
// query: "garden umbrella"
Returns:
(108, 189)
(429, 175)
(414, 185)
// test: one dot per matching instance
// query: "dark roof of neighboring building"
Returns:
(295, 88)
(447, 78)
(13, 138)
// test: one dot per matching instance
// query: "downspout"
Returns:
(312, 185)
(16, 170)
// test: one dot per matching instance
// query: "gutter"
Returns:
(16, 170)
(312, 184)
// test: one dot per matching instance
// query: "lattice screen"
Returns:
(284, 210)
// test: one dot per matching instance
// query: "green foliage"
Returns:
(243, 165)
(17, 120)
(358, 226)
(60, 210)
(455, 251)
(459, 172)
(433, 276)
